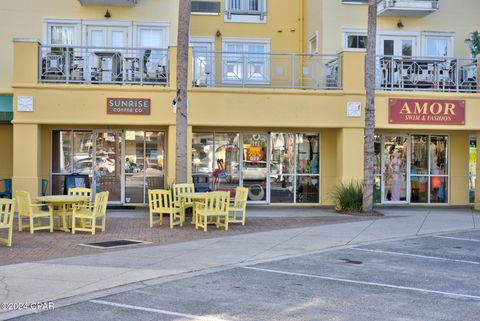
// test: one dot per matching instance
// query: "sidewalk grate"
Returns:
(114, 243)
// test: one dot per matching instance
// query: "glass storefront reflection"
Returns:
(472, 168)
(254, 173)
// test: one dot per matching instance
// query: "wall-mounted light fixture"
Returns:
(218, 33)
(107, 14)
(400, 24)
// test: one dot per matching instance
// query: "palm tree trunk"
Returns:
(369, 132)
(182, 86)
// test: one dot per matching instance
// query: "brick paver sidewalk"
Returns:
(41, 245)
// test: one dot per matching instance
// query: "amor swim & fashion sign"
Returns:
(128, 106)
(426, 111)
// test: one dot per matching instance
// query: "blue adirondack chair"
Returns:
(7, 188)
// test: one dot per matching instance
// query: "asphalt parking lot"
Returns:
(426, 278)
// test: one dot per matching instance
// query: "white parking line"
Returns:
(134, 307)
(416, 255)
(383, 285)
(455, 238)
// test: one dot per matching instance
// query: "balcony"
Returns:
(406, 8)
(296, 71)
(110, 3)
(95, 65)
(428, 74)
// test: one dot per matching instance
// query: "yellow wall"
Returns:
(25, 19)
(329, 17)
(282, 26)
(6, 148)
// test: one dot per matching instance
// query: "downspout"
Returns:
(301, 18)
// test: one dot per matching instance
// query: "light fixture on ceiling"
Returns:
(107, 14)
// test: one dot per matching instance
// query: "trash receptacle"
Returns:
(201, 181)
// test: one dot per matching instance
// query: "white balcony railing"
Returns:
(300, 71)
(245, 7)
(429, 74)
(99, 65)
(407, 8)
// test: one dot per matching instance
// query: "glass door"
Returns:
(398, 46)
(203, 63)
(254, 166)
(107, 167)
(394, 169)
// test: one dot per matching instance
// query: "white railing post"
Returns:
(67, 64)
(292, 71)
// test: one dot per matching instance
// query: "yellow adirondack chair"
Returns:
(32, 212)
(239, 205)
(216, 205)
(80, 191)
(91, 214)
(160, 203)
(6, 219)
(181, 202)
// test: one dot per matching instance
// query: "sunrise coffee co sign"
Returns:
(128, 106)
(426, 111)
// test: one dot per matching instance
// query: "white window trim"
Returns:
(245, 18)
(450, 36)
(352, 32)
(313, 36)
(48, 22)
(110, 23)
(243, 41)
(137, 25)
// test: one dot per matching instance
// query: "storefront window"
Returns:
(296, 160)
(71, 154)
(217, 154)
(255, 170)
(472, 168)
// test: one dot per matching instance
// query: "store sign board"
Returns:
(128, 106)
(426, 111)
(254, 154)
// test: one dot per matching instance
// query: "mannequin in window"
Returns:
(396, 165)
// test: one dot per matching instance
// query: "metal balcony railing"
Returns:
(406, 8)
(100, 65)
(283, 70)
(442, 74)
(245, 7)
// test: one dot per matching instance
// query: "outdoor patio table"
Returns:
(195, 197)
(62, 203)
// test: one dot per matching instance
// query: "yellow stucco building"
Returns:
(276, 98)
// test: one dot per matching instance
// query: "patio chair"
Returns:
(7, 188)
(239, 205)
(216, 206)
(91, 213)
(160, 203)
(181, 202)
(6, 219)
(32, 212)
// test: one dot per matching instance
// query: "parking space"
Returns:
(425, 278)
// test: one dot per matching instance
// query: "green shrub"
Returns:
(348, 197)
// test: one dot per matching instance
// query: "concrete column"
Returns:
(459, 153)
(352, 62)
(27, 158)
(25, 61)
(477, 184)
(350, 154)
(171, 155)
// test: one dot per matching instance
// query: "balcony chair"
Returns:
(6, 219)
(32, 212)
(7, 188)
(160, 203)
(239, 205)
(91, 214)
(181, 202)
(215, 205)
